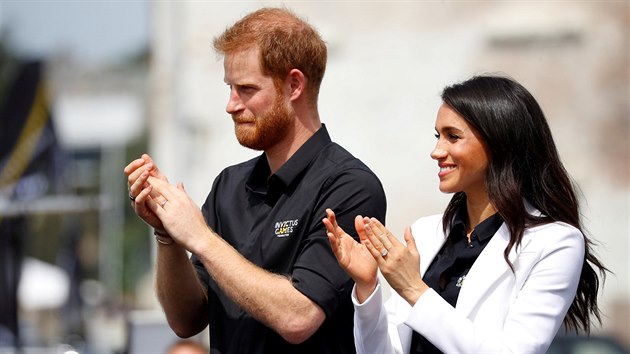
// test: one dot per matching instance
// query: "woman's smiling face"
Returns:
(461, 154)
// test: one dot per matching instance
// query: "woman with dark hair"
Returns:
(506, 264)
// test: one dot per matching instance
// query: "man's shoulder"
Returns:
(335, 165)
(336, 155)
(241, 167)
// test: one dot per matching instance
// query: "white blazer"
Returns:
(497, 311)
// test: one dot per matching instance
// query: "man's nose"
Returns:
(234, 103)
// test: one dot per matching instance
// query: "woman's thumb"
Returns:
(410, 241)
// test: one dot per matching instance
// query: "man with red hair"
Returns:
(262, 274)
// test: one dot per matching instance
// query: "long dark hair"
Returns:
(524, 164)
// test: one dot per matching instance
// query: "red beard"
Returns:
(263, 132)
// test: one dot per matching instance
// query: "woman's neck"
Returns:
(479, 209)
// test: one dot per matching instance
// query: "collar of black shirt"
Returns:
(259, 179)
(483, 231)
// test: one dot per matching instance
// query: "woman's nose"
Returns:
(438, 152)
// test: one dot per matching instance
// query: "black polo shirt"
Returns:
(275, 222)
(447, 272)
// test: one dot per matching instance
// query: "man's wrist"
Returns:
(162, 237)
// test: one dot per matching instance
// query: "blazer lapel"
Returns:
(429, 240)
(489, 266)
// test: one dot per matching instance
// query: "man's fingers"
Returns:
(132, 166)
(161, 187)
(154, 206)
(142, 196)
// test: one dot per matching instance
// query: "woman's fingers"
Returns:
(330, 223)
(374, 244)
(387, 239)
(411, 242)
(376, 254)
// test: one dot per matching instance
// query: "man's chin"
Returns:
(249, 146)
(249, 143)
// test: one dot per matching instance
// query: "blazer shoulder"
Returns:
(428, 222)
(554, 236)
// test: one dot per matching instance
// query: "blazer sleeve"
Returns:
(379, 325)
(374, 330)
(545, 279)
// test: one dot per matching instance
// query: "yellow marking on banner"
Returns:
(26, 143)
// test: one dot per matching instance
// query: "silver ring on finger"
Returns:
(131, 197)
(384, 252)
(164, 203)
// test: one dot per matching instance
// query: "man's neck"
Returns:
(279, 154)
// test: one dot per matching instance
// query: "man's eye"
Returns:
(246, 89)
(436, 135)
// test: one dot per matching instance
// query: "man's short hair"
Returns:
(285, 42)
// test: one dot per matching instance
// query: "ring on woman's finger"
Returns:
(163, 203)
(384, 252)
(131, 197)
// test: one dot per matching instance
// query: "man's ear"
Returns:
(297, 84)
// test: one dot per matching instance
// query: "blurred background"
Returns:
(87, 86)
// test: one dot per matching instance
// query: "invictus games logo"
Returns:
(285, 228)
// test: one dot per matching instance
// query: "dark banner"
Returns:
(27, 138)
(27, 160)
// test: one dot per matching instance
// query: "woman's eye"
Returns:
(453, 136)
(436, 135)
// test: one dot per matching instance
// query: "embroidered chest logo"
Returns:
(285, 228)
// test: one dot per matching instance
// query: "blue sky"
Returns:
(88, 30)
